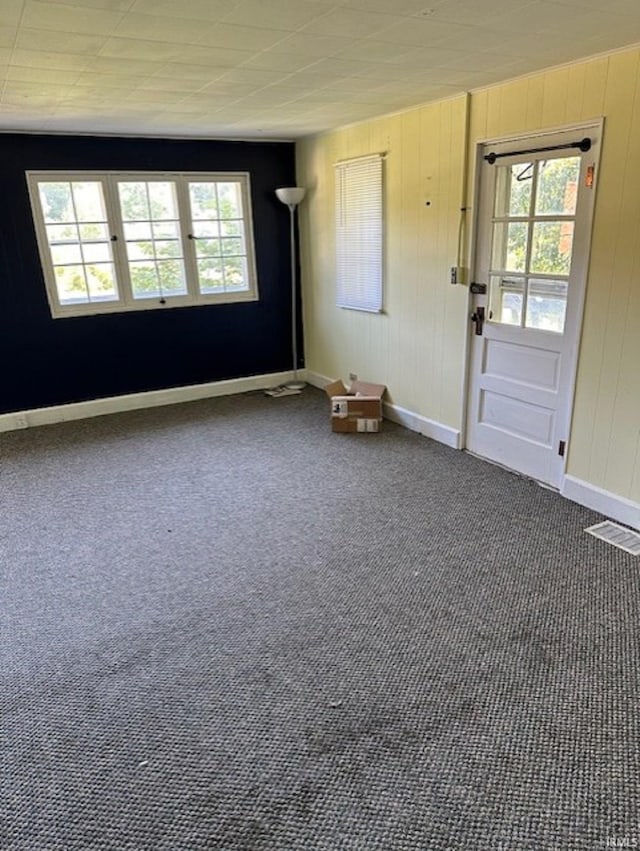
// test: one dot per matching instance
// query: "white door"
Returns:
(532, 248)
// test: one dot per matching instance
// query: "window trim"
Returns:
(126, 303)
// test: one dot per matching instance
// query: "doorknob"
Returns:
(478, 318)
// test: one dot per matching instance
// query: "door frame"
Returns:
(534, 137)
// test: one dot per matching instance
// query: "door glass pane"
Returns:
(546, 305)
(506, 298)
(551, 248)
(509, 246)
(513, 189)
(558, 187)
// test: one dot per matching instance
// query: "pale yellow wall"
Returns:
(417, 347)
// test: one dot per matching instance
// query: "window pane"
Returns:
(133, 200)
(204, 200)
(551, 247)
(101, 282)
(509, 246)
(137, 230)
(96, 252)
(162, 200)
(56, 202)
(232, 246)
(94, 231)
(558, 187)
(210, 275)
(166, 230)
(206, 228)
(144, 280)
(231, 227)
(66, 254)
(87, 197)
(62, 233)
(513, 189)
(208, 248)
(71, 284)
(139, 250)
(547, 305)
(171, 274)
(506, 297)
(229, 201)
(235, 274)
(168, 248)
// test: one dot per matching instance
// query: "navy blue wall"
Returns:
(47, 361)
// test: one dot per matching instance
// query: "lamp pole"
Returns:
(292, 196)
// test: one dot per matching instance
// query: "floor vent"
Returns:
(621, 537)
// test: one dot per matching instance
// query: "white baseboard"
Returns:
(429, 428)
(414, 422)
(317, 380)
(136, 401)
(604, 502)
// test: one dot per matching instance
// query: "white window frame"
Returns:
(126, 301)
(359, 207)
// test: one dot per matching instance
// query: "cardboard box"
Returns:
(357, 410)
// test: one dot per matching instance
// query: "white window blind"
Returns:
(359, 233)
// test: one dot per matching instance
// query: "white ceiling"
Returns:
(275, 68)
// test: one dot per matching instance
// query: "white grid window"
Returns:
(113, 242)
(359, 230)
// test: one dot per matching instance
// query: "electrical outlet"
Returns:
(353, 376)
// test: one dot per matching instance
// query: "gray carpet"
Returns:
(226, 628)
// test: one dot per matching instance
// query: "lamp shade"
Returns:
(291, 195)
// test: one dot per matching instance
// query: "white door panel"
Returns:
(525, 363)
(532, 242)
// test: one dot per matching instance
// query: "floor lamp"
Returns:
(291, 196)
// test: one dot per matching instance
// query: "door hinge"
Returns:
(561, 448)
